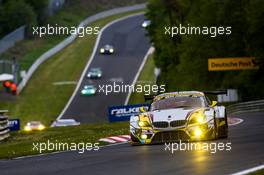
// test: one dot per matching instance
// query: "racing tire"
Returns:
(225, 128)
(133, 140)
(215, 130)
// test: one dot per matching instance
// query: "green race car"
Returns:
(88, 90)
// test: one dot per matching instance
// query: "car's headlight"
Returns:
(89, 75)
(197, 117)
(111, 50)
(99, 75)
(102, 50)
(41, 127)
(83, 91)
(92, 91)
(143, 123)
(196, 132)
(27, 128)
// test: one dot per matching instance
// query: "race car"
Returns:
(34, 126)
(94, 73)
(107, 49)
(185, 116)
(145, 23)
(88, 90)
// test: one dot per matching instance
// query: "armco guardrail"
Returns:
(71, 38)
(10, 39)
(251, 106)
(4, 129)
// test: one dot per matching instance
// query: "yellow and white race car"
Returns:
(185, 116)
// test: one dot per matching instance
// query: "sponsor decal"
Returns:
(225, 64)
(14, 124)
(123, 113)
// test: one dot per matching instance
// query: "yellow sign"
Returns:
(222, 64)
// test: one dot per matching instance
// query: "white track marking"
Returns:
(107, 140)
(251, 170)
(64, 83)
(127, 136)
(150, 51)
(116, 139)
(239, 120)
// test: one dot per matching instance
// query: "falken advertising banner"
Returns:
(123, 113)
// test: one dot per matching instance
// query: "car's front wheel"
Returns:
(133, 140)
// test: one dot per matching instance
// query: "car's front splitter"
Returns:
(150, 136)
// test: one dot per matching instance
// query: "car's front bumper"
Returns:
(106, 52)
(94, 76)
(186, 133)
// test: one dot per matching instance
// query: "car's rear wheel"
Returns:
(215, 129)
(223, 129)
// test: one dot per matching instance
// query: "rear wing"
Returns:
(216, 92)
(149, 97)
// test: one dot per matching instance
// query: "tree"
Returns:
(183, 59)
(15, 13)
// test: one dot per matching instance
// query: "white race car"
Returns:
(146, 23)
(186, 116)
(107, 49)
(34, 126)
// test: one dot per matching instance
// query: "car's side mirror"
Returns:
(142, 109)
(214, 103)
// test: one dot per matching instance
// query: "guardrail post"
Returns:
(4, 129)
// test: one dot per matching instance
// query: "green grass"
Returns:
(71, 14)
(146, 77)
(43, 101)
(260, 172)
(28, 50)
(21, 143)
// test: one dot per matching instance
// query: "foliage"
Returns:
(183, 59)
(14, 14)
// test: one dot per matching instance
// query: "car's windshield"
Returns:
(34, 123)
(88, 87)
(177, 102)
(95, 70)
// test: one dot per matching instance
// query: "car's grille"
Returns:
(170, 136)
(177, 123)
(160, 124)
(164, 124)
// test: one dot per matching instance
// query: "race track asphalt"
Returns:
(131, 45)
(247, 141)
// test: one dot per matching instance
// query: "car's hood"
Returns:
(171, 114)
(93, 73)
